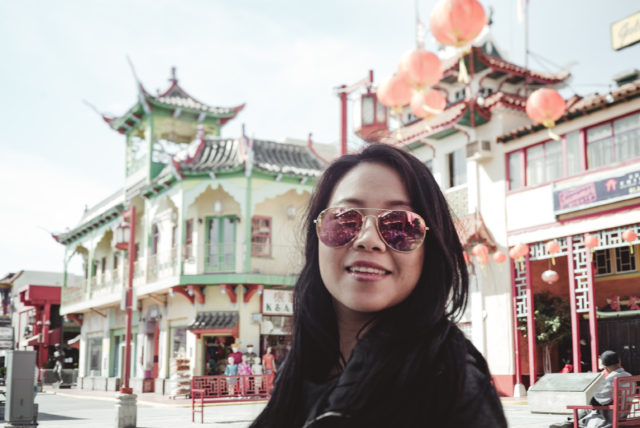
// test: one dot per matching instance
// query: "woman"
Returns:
(384, 275)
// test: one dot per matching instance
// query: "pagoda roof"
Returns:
(213, 155)
(499, 68)
(467, 113)
(174, 100)
(577, 106)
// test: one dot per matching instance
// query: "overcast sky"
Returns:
(280, 57)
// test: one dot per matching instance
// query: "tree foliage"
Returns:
(552, 322)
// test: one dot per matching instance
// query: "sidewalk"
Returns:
(72, 407)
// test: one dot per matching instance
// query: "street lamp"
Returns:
(125, 240)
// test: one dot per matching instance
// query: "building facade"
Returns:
(217, 246)
(509, 182)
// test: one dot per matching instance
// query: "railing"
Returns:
(163, 264)
(220, 257)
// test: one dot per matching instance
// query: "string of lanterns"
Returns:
(520, 251)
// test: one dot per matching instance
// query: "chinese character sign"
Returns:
(277, 302)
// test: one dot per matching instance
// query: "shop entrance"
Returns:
(623, 336)
(216, 351)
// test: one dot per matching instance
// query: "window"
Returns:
(103, 265)
(94, 268)
(115, 261)
(457, 168)
(188, 239)
(94, 353)
(174, 236)
(625, 260)
(614, 141)
(221, 243)
(602, 262)
(599, 146)
(261, 236)
(155, 237)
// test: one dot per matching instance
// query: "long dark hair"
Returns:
(418, 346)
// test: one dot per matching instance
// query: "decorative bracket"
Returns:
(182, 290)
(159, 300)
(249, 290)
(102, 314)
(75, 318)
(197, 291)
(230, 290)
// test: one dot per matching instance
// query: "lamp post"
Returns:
(126, 240)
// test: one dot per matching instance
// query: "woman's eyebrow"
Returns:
(360, 203)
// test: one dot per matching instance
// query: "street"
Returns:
(68, 410)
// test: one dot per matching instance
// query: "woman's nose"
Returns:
(369, 238)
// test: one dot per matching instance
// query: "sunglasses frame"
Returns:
(382, 211)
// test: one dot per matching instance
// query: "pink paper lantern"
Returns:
(457, 22)
(427, 104)
(629, 236)
(552, 247)
(422, 68)
(545, 106)
(395, 92)
(550, 276)
(499, 257)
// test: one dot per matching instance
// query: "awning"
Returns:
(471, 229)
(215, 320)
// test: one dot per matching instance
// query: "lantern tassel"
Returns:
(553, 135)
(463, 74)
(631, 245)
(553, 260)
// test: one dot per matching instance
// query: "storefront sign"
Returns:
(596, 193)
(277, 302)
(625, 32)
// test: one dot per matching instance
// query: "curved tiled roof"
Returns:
(177, 97)
(578, 106)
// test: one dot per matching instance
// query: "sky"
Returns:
(282, 58)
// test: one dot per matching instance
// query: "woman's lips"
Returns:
(365, 271)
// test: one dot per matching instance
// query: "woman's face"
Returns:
(369, 185)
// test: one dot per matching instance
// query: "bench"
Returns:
(625, 405)
(226, 389)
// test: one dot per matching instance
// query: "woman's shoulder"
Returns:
(479, 404)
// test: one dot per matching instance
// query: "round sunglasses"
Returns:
(401, 230)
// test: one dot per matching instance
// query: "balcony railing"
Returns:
(163, 264)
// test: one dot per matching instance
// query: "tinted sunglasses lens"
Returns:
(338, 227)
(402, 230)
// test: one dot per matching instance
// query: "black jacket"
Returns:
(478, 406)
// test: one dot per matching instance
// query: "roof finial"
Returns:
(173, 78)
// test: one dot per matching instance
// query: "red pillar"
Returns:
(531, 326)
(343, 121)
(516, 332)
(127, 345)
(593, 321)
(156, 347)
(575, 322)
(46, 322)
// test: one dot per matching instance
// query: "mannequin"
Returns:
(244, 369)
(231, 370)
(250, 354)
(268, 360)
(235, 353)
(256, 369)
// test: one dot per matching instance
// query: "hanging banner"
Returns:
(277, 302)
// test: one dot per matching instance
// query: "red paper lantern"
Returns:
(552, 247)
(545, 106)
(482, 253)
(422, 68)
(395, 93)
(590, 241)
(457, 22)
(428, 104)
(550, 276)
(499, 257)
(629, 236)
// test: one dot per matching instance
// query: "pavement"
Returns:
(92, 409)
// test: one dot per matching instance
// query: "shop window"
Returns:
(94, 354)
(261, 236)
(602, 262)
(155, 238)
(188, 239)
(179, 342)
(457, 167)
(625, 260)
